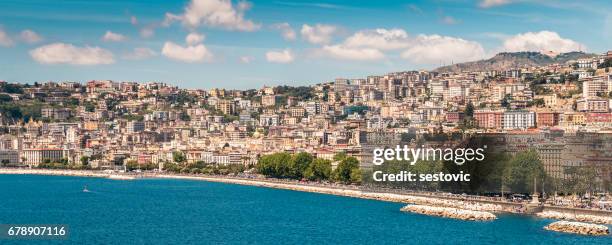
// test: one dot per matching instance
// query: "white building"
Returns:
(518, 119)
(596, 86)
(33, 157)
(268, 120)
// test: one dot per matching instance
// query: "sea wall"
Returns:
(446, 212)
(599, 219)
(578, 211)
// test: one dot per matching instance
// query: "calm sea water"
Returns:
(162, 211)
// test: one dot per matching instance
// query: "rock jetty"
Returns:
(576, 217)
(578, 228)
(454, 213)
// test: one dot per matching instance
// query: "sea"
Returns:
(173, 211)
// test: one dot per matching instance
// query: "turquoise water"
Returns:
(162, 211)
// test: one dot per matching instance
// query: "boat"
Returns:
(85, 189)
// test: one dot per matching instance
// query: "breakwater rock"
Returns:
(578, 228)
(576, 217)
(436, 201)
(450, 212)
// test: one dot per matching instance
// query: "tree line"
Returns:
(305, 166)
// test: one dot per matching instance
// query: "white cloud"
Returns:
(110, 36)
(214, 13)
(284, 56)
(170, 17)
(63, 53)
(147, 32)
(318, 34)
(433, 49)
(286, 31)
(540, 41)
(189, 54)
(493, 3)
(194, 38)
(348, 53)
(30, 36)
(369, 45)
(383, 39)
(140, 53)
(246, 59)
(5, 40)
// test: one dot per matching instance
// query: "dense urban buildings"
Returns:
(563, 110)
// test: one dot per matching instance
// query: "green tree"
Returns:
(345, 168)
(84, 160)
(131, 165)
(522, 170)
(184, 116)
(319, 169)
(356, 176)
(5, 98)
(171, 167)
(299, 164)
(469, 110)
(340, 156)
(505, 102)
(275, 165)
(408, 137)
(11, 88)
(178, 157)
(581, 180)
(89, 106)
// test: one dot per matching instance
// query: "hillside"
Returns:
(504, 61)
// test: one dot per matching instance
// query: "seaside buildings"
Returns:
(106, 124)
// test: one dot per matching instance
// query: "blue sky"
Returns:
(238, 44)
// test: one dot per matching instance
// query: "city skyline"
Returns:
(208, 43)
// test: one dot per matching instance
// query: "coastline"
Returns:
(346, 191)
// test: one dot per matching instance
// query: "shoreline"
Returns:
(346, 191)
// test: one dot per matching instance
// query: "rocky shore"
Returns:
(467, 205)
(454, 213)
(575, 217)
(578, 228)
